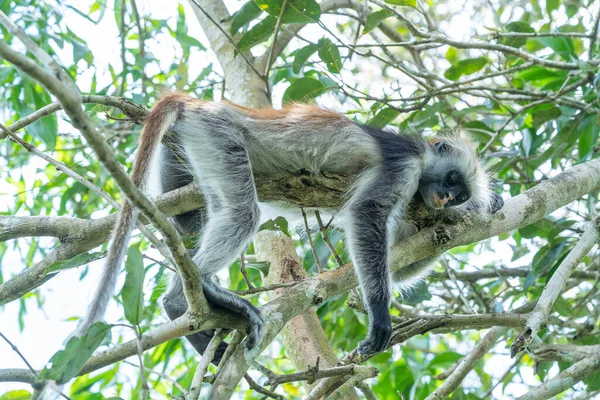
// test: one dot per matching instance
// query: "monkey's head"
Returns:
(453, 176)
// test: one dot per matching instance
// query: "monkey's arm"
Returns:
(367, 239)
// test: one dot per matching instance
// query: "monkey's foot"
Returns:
(377, 340)
(255, 328)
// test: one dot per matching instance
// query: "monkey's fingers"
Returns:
(377, 340)
(255, 329)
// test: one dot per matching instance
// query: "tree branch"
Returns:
(539, 316)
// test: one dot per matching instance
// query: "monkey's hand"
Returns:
(380, 333)
(255, 327)
(497, 203)
(217, 296)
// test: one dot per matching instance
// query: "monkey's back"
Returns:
(297, 137)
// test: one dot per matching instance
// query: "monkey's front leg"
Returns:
(367, 237)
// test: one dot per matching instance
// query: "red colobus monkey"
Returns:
(223, 146)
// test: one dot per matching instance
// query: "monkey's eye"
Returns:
(461, 198)
(442, 147)
(451, 179)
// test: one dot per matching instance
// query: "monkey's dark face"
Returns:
(444, 190)
(443, 185)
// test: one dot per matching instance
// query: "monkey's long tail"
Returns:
(161, 118)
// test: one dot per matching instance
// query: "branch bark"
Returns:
(539, 316)
(303, 337)
(467, 364)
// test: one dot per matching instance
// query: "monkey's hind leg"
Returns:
(219, 159)
(175, 305)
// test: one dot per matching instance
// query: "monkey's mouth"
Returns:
(441, 202)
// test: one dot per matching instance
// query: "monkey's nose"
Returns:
(439, 200)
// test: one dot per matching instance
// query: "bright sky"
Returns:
(65, 295)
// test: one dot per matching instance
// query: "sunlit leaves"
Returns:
(16, 395)
(465, 67)
(327, 51)
(411, 3)
(545, 114)
(132, 293)
(375, 19)
(77, 261)
(303, 89)
(278, 224)
(67, 363)
(296, 11)
(303, 55)
(259, 33)
(244, 15)
(330, 55)
(520, 27)
(384, 117)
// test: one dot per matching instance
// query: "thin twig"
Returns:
(16, 350)
(140, 352)
(594, 35)
(166, 377)
(244, 272)
(325, 237)
(202, 367)
(272, 49)
(310, 241)
(265, 288)
(257, 388)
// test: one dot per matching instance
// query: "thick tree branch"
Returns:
(304, 340)
(467, 364)
(565, 379)
(539, 316)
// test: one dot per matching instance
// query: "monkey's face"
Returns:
(444, 190)
(442, 184)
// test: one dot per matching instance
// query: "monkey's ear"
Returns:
(441, 146)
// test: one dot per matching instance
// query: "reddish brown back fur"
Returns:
(303, 112)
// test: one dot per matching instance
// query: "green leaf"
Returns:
(259, 33)
(16, 395)
(330, 55)
(132, 293)
(278, 224)
(562, 46)
(520, 27)
(188, 41)
(384, 117)
(303, 89)
(545, 115)
(410, 3)
(247, 13)
(262, 266)
(588, 137)
(465, 67)
(537, 73)
(77, 261)
(452, 55)
(552, 5)
(296, 11)
(478, 129)
(302, 56)
(375, 19)
(67, 363)
(593, 382)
